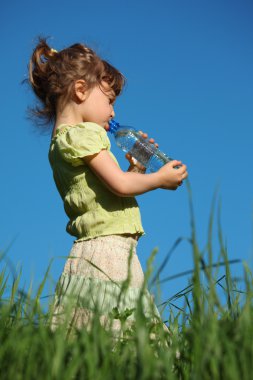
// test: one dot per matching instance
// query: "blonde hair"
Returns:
(52, 76)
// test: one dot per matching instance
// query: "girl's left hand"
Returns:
(135, 166)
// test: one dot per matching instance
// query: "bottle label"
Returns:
(142, 152)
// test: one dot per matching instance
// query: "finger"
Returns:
(152, 141)
(138, 164)
(130, 158)
(144, 135)
(185, 173)
(174, 163)
(134, 162)
(182, 168)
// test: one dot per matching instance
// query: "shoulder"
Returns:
(81, 130)
(76, 141)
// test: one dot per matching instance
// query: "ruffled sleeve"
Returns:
(80, 141)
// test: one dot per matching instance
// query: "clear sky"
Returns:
(189, 75)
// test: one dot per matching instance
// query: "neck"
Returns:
(69, 115)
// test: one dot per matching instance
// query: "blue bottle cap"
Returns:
(113, 126)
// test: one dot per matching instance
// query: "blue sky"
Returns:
(189, 75)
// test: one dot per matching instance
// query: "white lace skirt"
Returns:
(94, 281)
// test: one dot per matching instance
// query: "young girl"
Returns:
(77, 91)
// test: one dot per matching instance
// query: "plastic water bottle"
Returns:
(130, 141)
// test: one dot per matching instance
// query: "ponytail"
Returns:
(40, 71)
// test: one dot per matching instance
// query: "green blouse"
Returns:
(92, 209)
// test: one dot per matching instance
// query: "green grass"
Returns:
(210, 333)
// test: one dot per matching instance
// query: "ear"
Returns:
(80, 90)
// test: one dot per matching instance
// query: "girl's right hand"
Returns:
(169, 177)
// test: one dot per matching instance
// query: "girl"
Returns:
(77, 91)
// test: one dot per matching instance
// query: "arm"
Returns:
(126, 184)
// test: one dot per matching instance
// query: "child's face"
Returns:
(98, 105)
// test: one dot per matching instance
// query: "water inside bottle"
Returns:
(142, 152)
